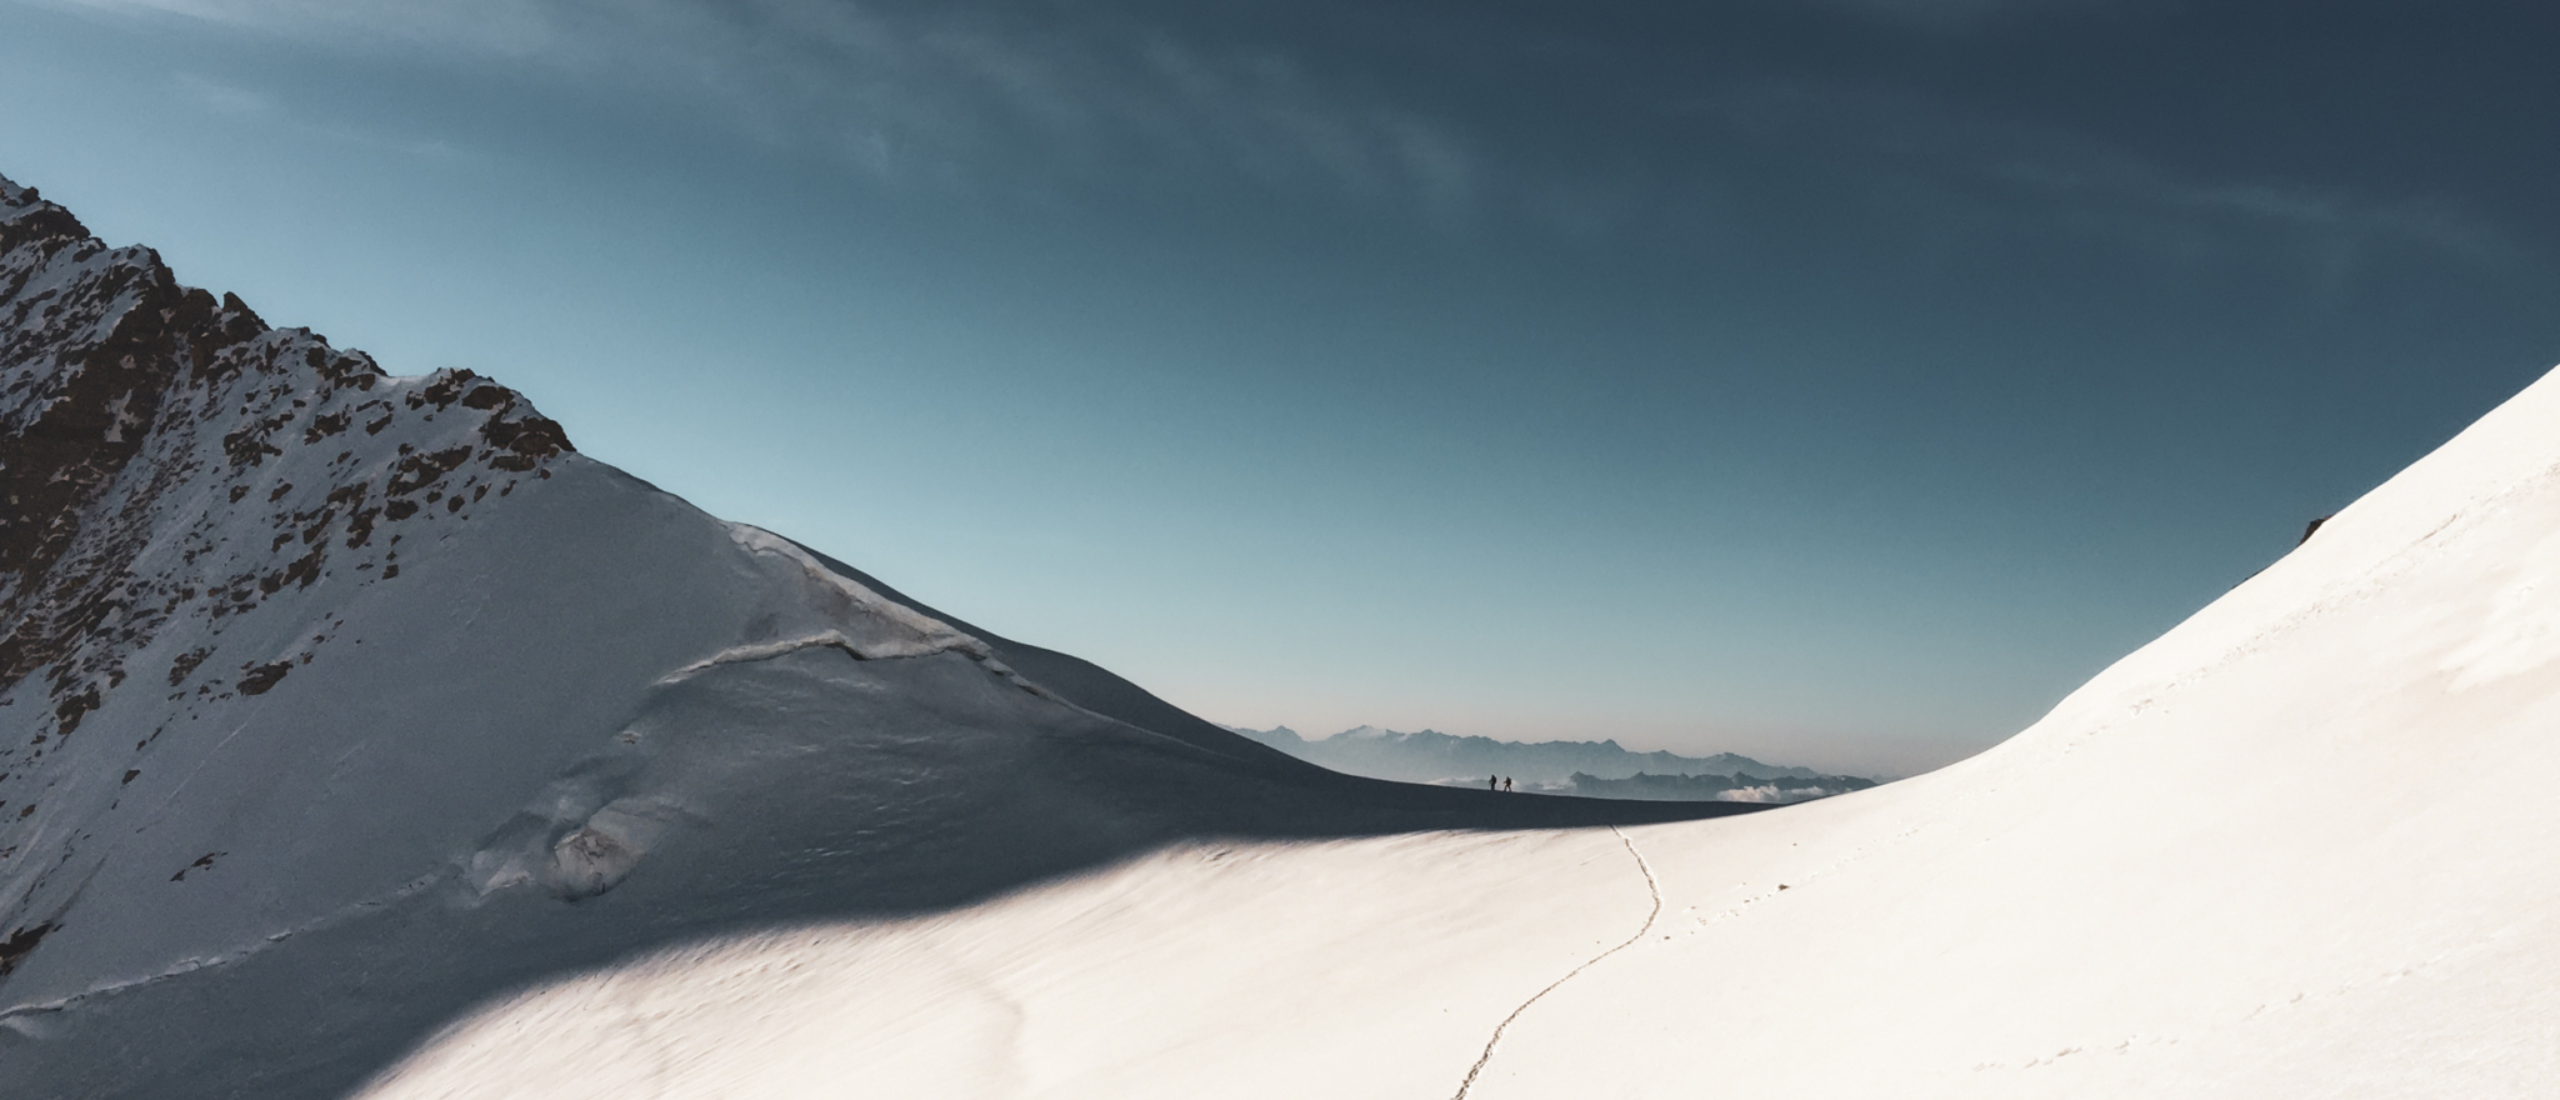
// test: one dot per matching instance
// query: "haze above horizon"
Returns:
(1835, 382)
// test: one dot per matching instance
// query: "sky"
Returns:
(1839, 382)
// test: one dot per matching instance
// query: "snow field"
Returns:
(548, 785)
(1348, 968)
(2354, 898)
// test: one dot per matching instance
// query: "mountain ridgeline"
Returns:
(1599, 769)
(360, 738)
(334, 701)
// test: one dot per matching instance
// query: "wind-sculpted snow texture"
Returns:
(2352, 895)
(334, 702)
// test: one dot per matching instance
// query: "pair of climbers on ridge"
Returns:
(1497, 783)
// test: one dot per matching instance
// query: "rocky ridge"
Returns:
(140, 419)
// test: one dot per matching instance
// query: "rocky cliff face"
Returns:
(128, 397)
(172, 467)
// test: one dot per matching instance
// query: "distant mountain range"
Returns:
(1599, 768)
(1741, 787)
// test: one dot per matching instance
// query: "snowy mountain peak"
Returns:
(314, 678)
(145, 423)
(194, 500)
(26, 216)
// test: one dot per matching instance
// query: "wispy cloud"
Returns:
(1954, 15)
(249, 106)
(1998, 172)
(504, 25)
(1041, 101)
(226, 99)
(942, 97)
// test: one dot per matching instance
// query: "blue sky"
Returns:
(1835, 381)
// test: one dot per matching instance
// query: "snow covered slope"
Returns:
(337, 708)
(2080, 913)
(334, 702)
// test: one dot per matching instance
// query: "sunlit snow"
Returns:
(2354, 898)
(363, 736)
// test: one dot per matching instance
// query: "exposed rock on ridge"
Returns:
(167, 459)
(105, 358)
